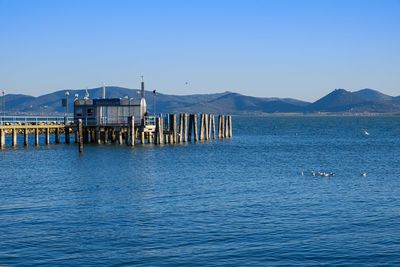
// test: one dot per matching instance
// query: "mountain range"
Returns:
(338, 101)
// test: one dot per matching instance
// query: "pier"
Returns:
(157, 130)
(116, 120)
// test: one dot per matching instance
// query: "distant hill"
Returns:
(365, 100)
(16, 102)
(237, 103)
(372, 95)
(338, 101)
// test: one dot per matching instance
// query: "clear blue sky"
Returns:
(299, 49)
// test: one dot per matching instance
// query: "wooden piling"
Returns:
(230, 127)
(185, 127)
(80, 135)
(47, 136)
(207, 129)
(127, 133)
(98, 136)
(180, 136)
(130, 135)
(109, 135)
(57, 135)
(226, 127)
(172, 119)
(106, 134)
(159, 131)
(219, 126)
(2, 138)
(210, 117)
(14, 137)
(113, 136)
(119, 136)
(36, 136)
(26, 134)
(223, 126)
(202, 127)
(189, 136)
(182, 129)
(142, 137)
(212, 126)
(195, 128)
(67, 135)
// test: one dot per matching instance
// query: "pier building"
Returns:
(110, 111)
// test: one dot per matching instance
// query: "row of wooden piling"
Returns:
(26, 131)
(167, 130)
(190, 129)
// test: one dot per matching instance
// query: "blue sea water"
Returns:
(238, 202)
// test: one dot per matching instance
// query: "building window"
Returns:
(90, 111)
(79, 112)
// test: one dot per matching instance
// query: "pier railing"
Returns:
(114, 121)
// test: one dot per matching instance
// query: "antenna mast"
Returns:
(142, 88)
(103, 92)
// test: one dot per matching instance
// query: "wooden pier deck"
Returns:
(27, 130)
(165, 129)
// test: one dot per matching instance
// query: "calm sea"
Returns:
(238, 202)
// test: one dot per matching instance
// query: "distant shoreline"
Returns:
(277, 114)
(326, 114)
